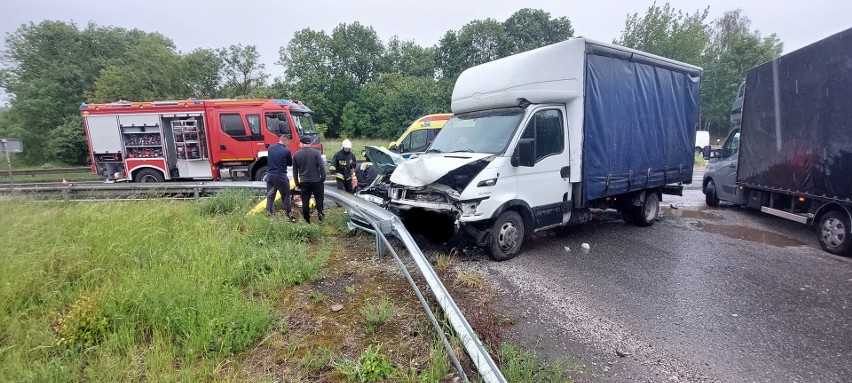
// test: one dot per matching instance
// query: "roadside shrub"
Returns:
(82, 325)
(227, 201)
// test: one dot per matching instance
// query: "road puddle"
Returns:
(748, 234)
(687, 213)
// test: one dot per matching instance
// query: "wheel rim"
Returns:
(507, 237)
(264, 177)
(833, 232)
(651, 209)
(148, 178)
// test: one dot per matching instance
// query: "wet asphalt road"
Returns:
(722, 294)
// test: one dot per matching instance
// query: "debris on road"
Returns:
(622, 353)
(336, 308)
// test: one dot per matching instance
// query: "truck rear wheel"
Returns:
(834, 233)
(507, 236)
(148, 175)
(710, 196)
(646, 213)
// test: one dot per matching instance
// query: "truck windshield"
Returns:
(478, 132)
(304, 123)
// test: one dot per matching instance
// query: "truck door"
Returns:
(545, 186)
(235, 135)
(728, 167)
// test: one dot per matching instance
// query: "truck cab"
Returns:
(720, 177)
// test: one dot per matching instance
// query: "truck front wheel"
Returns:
(710, 196)
(148, 175)
(507, 236)
(646, 213)
(834, 233)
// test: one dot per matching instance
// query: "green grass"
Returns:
(525, 366)
(699, 160)
(376, 314)
(156, 291)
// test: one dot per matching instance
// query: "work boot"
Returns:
(291, 217)
(321, 217)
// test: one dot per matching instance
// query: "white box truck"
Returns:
(539, 138)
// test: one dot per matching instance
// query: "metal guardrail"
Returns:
(32, 172)
(384, 223)
(366, 216)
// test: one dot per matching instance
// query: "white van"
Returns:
(539, 138)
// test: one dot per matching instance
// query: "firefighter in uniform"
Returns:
(343, 166)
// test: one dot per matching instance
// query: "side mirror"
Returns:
(707, 152)
(524, 154)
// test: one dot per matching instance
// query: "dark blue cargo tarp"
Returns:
(640, 122)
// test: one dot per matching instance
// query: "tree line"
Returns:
(357, 84)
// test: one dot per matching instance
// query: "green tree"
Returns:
(150, 70)
(327, 72)
(529, 28)
(387, 105)
(734, 48)
(50, 67)
(242, 70)
(67, 143)
(408, 58)
(667, 32)
(203, 73)
(481, 41)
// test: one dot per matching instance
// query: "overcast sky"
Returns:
(271, 24)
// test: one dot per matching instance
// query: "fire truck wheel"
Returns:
(260, 174)
(148, 175)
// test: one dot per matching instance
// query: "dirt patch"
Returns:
(309, 338)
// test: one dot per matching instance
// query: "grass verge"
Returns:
(122, 291)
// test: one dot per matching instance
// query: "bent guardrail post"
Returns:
(488, 370)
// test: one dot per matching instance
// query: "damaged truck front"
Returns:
(541, 137)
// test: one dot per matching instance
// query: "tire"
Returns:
(507, 236)
(260, 174)
(148, 175)
(833, 232)
(710, 196)
(646, 213)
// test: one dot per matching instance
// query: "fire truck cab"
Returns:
(192, 139)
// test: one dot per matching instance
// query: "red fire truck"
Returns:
(192, 139)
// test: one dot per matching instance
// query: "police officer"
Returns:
(343, 165)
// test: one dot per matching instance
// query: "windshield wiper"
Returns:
(434, 151)
(462, 150)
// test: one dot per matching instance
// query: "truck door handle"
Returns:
(222, 147)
